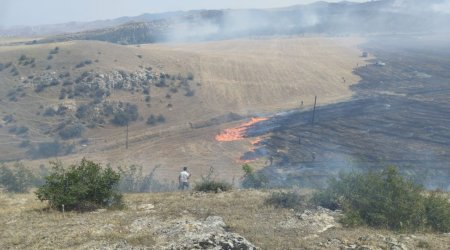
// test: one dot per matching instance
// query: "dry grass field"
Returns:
(27, 224)
(248, 77)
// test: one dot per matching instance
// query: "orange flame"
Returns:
(237, 133)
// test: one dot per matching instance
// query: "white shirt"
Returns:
(184, 176)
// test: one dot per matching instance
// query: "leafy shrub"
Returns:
(72, 131)
(17, 179)
(82, 111)
(47, 149)
(288, 199)
(151, 120)
(189, 93)
(80, 65)
(161, 118)
(39, 87)
(81, 187)
(209, 184)
(8, 118)
(437, 210)
(423, 244)
(252, 179)
(21, 130)
(54, 51)
(49, 112)
(385, 200)
(121, 118)
(128, 114)
(212, 186)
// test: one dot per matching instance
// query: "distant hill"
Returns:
(343, 18)
(73, 27)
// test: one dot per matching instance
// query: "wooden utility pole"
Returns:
(126, 140)
(314, 110)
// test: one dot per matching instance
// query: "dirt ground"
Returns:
(26, 224)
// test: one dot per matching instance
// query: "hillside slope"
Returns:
(194, 87)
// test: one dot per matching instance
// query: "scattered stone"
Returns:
(207, 234)
(313, 221)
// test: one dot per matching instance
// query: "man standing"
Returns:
(183, 179)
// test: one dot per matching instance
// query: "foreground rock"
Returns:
(207, 234)
(189, 233)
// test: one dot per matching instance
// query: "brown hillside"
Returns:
(247, 77)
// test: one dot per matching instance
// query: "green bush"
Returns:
(72, 131)
(209, 184)
(252, 179)
(290, 199)
(81, 187)
(47, 149)
(212, 186)
(17, 179)
(438, 212)
(128, 114)
(384, 200)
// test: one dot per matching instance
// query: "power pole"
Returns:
(126, 140)
(314, 110)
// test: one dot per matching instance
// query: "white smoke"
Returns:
(193, 31)
(442, 7)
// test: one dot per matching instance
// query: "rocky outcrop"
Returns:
(312, 222)
(188, 233)
(207, 234)
(371, 242)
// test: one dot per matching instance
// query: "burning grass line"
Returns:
(238, 133)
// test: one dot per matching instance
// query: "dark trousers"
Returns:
(184, 186)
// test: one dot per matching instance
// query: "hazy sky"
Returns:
(35, 12)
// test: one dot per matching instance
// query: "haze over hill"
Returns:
(343, 18)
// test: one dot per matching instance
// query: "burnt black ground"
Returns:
(400, 115)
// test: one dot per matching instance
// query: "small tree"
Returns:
(209, 184)
(17, 179)
(385, 199)
(252, 179)
(81, 187)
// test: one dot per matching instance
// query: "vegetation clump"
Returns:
(72, 131)
(385, 200)
(252, 179)
(153, 120)
(125, 115)
(81, 187)
(210, 185)
(17, 179)
(289, 199)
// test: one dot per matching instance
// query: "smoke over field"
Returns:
(399, 116)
